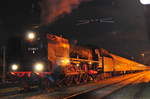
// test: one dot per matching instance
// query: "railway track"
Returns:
(103, 91)
(74, 91)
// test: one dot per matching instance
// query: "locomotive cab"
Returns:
(58, 51)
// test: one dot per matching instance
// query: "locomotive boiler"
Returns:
(57, 62)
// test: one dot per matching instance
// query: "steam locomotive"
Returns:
(54, 60)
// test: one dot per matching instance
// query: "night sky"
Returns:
(118, 26)
(127, 36)
(14, 16)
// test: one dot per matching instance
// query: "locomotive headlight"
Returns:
(38, 67)
(31, 36)
(14, 67)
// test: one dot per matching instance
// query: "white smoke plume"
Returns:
(52, 9)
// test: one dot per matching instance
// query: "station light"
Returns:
(142, 54)
(65, 61)
(145, 2)
(90, 63)
(78, 65)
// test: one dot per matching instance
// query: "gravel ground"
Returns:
(137, 90)
(63, 92)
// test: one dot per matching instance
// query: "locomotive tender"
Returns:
(53, 58)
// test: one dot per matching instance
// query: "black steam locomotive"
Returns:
(51, 60)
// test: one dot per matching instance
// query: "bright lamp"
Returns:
(145, 2)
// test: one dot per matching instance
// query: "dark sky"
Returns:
(14, 15)
(126, 36)
(118, 26)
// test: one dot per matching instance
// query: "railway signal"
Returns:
(4, 63)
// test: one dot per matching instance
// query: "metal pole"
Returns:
(4, 64)
(103, 64)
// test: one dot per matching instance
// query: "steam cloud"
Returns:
(52, 9)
